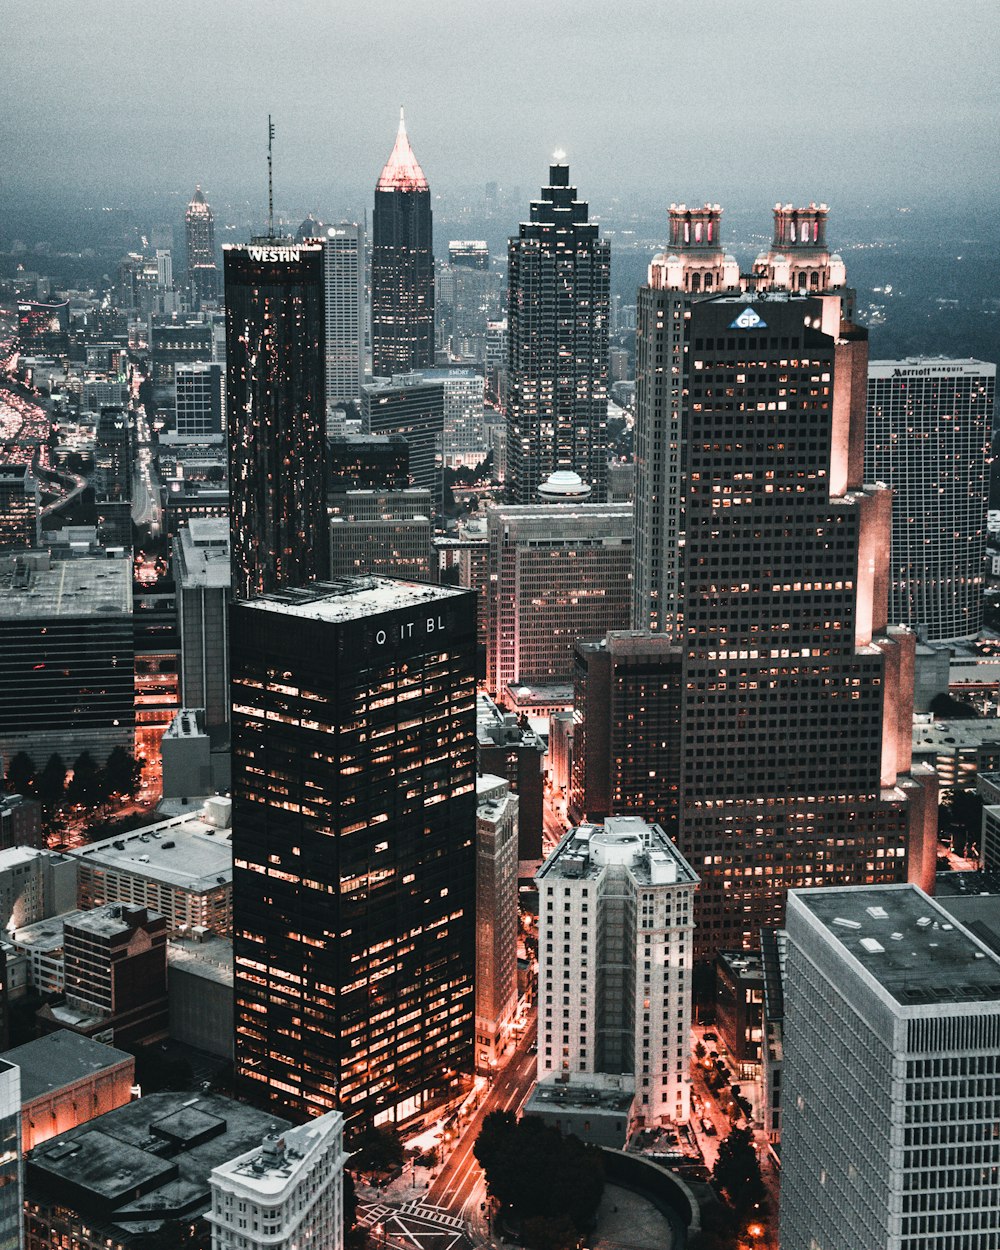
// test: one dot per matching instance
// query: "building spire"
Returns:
(402, 170)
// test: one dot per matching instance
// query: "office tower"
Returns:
(43, 329)
(173, 343)
(20, 820)
(275, 414)
(67, 669)
(558, 306)
(286, 1194)
(368, 462)
(558, 572)
(763, 556)
(11, 1179)
(113, 474)
(626, 728)
(930, 421)
(388, 533)
(199, 237)
(402, 265)
(463, 437)
(344, 284)
(496, 918)
(138, 1174)
(18, 508)
(164, 269)
(468, 296)
(203, 578)
(354, 845)
(505, 747)
(414, 408)
(115, 975)
(198, 402)
(615, 923)
(891, 1080)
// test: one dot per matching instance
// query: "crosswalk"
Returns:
(428, 1211)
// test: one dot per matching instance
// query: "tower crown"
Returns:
(694, 227)
(402, 170)
(800, 227)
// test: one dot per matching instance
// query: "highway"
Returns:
(459, 1187)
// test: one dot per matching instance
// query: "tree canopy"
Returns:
(737, 1170)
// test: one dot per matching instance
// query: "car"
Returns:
(533, 1048)
(711, 1037)
(707, 1127)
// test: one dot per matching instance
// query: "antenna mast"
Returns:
(270, 180)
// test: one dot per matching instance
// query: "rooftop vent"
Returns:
(846, 924)
(924, 922)
(877, 913)
(871, 946)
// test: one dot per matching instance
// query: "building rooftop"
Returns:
(909, 944)
(626, 841)
(202, 554)
(61, 1059)
(352, 598)
(949, 735)
(149, 1161)
(551, 1094)
(188, 853)
(272, 1168)
(111, 920)
(87, 586)
(207, 956)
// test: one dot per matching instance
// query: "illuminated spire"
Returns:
(402, 171)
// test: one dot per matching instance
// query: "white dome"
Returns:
(564, 484)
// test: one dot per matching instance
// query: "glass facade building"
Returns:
(558, 309)
(354, 823)
(276, 414)
(402, 265)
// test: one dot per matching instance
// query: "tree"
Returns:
(52, 782)
(699, 1050)
(123, 772)
(737, 1170)
(945, 706)
(21, 774)
(497, 1128)
(377, 1150)
(85, 786)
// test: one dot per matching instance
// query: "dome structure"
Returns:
(564, 486)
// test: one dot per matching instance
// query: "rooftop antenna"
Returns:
(270, 180)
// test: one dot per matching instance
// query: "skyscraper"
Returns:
(354, 823)
(891, 1075)
(344, 278)
(402, 265)
(558, 297)
(760, 552)
(928, 436)
(275, 414)
(199, 236)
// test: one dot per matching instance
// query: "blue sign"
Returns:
(749, 320)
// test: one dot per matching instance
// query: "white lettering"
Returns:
(380, 637)
(272, 254)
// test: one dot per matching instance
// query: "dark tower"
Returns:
(276, 415)
(199, 235)
(559, 304)
(402, 265)
(354, 882)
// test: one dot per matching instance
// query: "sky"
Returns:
(878, 100)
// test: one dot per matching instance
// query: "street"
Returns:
(459, 1187)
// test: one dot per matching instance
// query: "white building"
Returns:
(928, 436)
(287, 1194)
(496, 917)
(344, 278)
(615, 936)
(182, 868)
(34, 885)
(891, 1078)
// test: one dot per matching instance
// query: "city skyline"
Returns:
(211, 123)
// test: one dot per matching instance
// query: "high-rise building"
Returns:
(468, 296)
(626, 728)
(199, 237)
(410, 406)
(368, 462)
(558, 273)
(615, 923)
(11, 1173)
(286, 1194)
(763, 555)
(402, 265)
(354, 846)
(388, 533)
(275, 414)
(198, 401)
(558, 572)
(18, 508)
(344, 279)
(930, 421)
(891, 1075)
(496, 918)
(202, 575)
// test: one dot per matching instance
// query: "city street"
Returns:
(459, 1186)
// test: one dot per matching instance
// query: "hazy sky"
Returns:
(884, 100)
